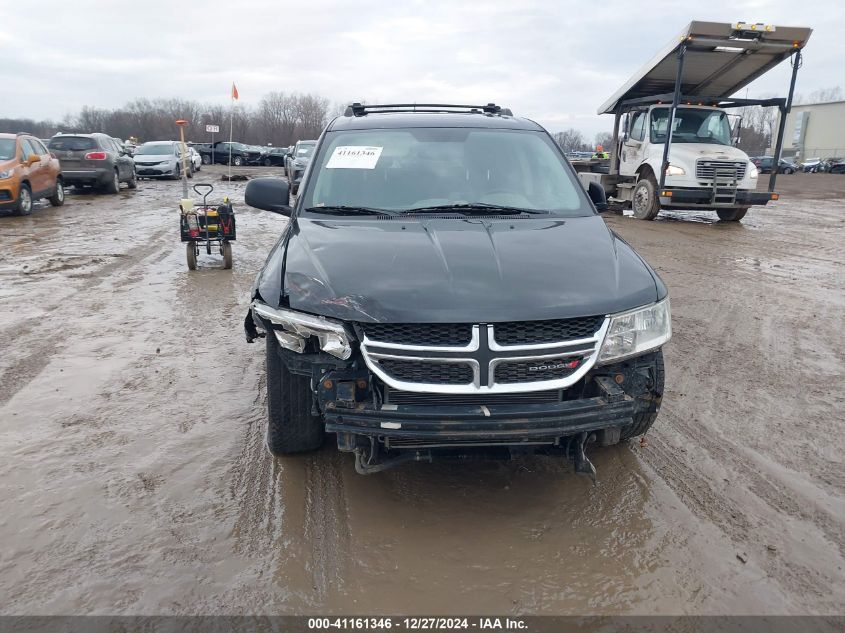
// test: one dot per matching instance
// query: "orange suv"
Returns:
(28, 171)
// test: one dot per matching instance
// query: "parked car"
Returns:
(813, 165)
(28, 172)
(220, 152)
(160, 159)
(837, 166)
(297, 161)
(276, 156)
(445, 285)
(93, 160)
(196, 159)
(764, 165)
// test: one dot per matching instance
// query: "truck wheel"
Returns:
(290, 426)
(206, 160)
(732, 215)
(647, 408)
(645, 202)
(237, 161)
(58, 197)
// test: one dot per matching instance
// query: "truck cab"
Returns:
(705, 170)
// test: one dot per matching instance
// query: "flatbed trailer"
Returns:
(670, 149)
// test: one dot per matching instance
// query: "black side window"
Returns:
(638, 126)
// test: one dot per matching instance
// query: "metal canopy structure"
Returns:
(719, 59)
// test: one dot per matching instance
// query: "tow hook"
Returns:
(366, 463)
(582, 464)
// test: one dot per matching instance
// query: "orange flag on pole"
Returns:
(234, 91)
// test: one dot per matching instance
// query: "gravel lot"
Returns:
(134, 479)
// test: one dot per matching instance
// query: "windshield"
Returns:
(7, 148)
(691, 125)
(72, 143)
(406, 169)
(154, 149)
(304, 150)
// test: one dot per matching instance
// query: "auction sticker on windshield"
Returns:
(354, 157)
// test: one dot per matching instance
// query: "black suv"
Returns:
(445, 285)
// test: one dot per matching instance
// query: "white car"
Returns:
(196, 159)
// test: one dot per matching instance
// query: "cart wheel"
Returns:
(191, 252)
(227, 255)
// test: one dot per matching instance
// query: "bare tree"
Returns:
(570, 140)
(605, 139)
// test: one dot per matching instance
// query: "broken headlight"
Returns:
(298, 327)
(637, 331)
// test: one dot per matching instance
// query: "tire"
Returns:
(237, 161)
(132, 183)
(290, 426)
(267, 162)
(644, 201)
(206, 160)
(190, 172)
(227, 255)
(198, 167)
(24, 205)
(647, 408)
(58, 197)
(113, 186)
(732, 215)
(177, 175)
(191, 254)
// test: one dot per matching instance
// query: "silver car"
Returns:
(161, 159)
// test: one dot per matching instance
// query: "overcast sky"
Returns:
(552, 61)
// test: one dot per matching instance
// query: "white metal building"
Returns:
(815, 130)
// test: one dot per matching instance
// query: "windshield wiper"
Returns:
(342, 209)
(476, 208)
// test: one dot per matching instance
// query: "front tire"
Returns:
(645, 203)
(237, 161)
(290, 426)
(191, 255)
(732, 215)
(206, 160)
(226, 247)
(24, 206)
(58, 197)
(647, 408)
(132, 183)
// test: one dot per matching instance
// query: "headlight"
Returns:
(299, 327)
(752, 171)
(632, 333)
(6, 174)
(673, 170)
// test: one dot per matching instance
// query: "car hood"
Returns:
(457, 270)
(154, 158)
(691, 152)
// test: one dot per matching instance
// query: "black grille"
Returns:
(429, 373)
(428, 334)
(394, 396)
(535, 370)
(531, 332)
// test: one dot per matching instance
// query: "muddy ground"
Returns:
(134, 480)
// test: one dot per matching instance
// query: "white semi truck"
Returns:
(672, 137)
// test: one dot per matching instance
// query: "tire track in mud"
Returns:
(44, 341)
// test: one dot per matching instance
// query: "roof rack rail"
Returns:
(360, 109)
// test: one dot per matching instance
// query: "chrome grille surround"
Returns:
(720, 169)
(482, 355)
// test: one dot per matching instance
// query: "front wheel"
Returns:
(132, 183)
(732, 215)
(24, 206)
(58, 197)
(648, 406)
(206, 160)
(290, 426)
(237, 161)
(191, 254)
(267, 162)
(645, 203)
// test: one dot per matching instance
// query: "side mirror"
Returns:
(33, 158)
(270, 194)
(598, 196)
